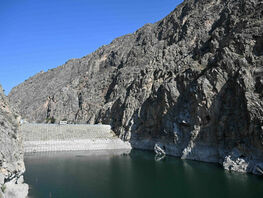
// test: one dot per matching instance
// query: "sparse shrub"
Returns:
(48, 120)
(3, 188)
(51, 120)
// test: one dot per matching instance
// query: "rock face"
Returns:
(11, 153)
(192, 81)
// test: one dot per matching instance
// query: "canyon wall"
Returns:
(11, 153)
(192, 82)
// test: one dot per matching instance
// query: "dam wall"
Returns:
(70, 137)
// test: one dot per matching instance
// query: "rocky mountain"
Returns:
(11, 153)
(192, 82)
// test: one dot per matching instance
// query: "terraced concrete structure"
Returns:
(79, 137)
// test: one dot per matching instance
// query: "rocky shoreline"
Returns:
(231, 162)
(11, 153)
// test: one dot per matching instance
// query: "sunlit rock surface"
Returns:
(11, 153)
(192, 81)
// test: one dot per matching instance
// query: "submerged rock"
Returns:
(238, 164)
(258, 169)
(159, 150)
(192, 81)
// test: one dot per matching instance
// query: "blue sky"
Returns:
(38, 35)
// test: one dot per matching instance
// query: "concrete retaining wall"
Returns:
(53, 137)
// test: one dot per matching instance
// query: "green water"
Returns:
(102, 175)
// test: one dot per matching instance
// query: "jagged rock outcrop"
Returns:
(192, 81)
(11, 153)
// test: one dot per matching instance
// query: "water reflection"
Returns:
(119, 174)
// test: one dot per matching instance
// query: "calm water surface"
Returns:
(110, 175)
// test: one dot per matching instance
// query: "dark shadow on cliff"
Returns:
(223, 126)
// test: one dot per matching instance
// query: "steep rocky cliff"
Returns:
(192, 82)
(11, 153)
